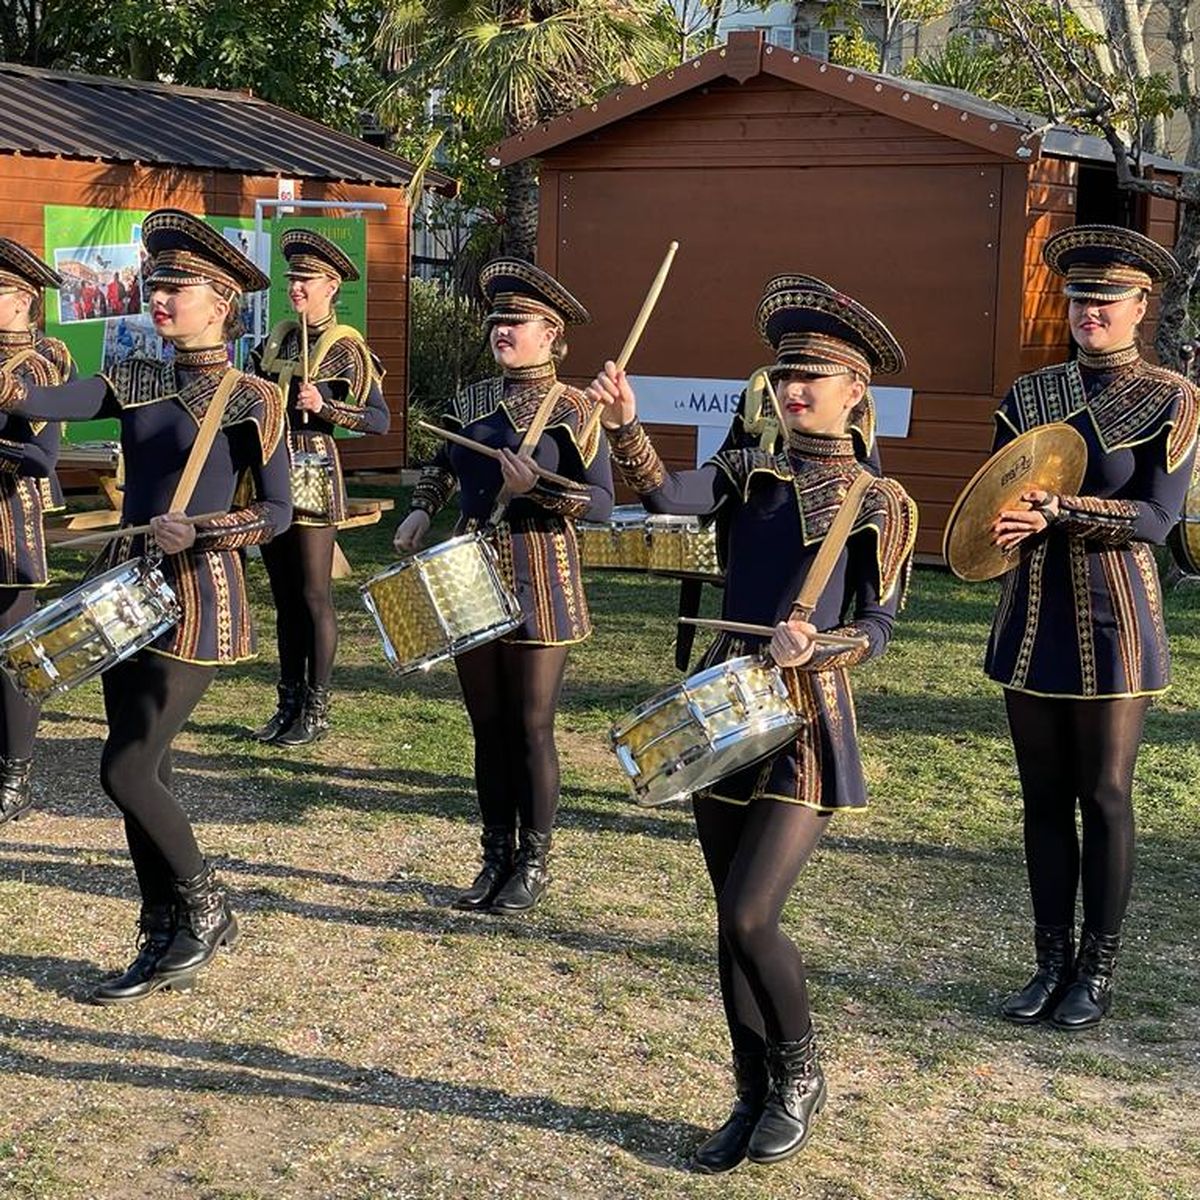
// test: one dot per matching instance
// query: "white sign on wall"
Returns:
(709, 404)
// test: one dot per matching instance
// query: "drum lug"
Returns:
(627, 761)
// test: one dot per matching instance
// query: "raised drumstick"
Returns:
(635, 333)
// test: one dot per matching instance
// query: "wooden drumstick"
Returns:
(304, 360)
(107, 535)
(831, 641)
(469, 443)
(635, 333)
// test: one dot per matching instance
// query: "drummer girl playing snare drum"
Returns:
(195, 286)
(758, 826)
(511, 686)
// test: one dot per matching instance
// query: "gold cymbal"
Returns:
(1050, 457)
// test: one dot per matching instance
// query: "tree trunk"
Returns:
(518, 236)
(1173, 323)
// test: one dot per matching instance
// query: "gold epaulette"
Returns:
(892, 513)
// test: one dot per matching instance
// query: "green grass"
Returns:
(364, 1040)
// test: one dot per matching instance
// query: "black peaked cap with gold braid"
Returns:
(519, 291)
(185, 251)
(813, 327)
(1106, 262)
(310, 254)
(23, 269)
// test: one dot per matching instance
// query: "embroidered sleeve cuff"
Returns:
(249, 526)
(634, 456)
(434, 488)
(1108, 521)
(12, 455)
(573, 504)
(348, 416)
(830, 658)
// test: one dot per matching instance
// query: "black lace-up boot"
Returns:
(1086, 1002)
(795, 1095)
(724, 1148)
(497, 842)
(156, 928)
(1054, 946)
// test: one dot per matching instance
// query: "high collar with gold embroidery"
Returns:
(319, 326)
(15, 339)
(1108, 360)
(536, 373)
(820, 447)
(204, 358)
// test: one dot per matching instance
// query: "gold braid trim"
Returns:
(1185, 427)
(633, 454)
(433, 490)
(1097, 520)
(247, 526)
(12, 454)
(573, 505)
(891, 513)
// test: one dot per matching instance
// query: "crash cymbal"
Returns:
(1050, 457)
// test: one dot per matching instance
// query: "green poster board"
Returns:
(100, 313)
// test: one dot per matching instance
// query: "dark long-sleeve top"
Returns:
(160, 406)
(350, 379)
(782, 504)
(536, 538)
(1081, 615)
(28, 454)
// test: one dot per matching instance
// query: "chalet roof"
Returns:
(1006, 132)
(93, 117)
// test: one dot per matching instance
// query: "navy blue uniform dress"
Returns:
(349, 378)
(536, 543)
(160, 406)
(780, 506)
(1081, 615)
(28, 454)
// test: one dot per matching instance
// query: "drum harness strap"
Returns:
(533, 435)
(831, 547)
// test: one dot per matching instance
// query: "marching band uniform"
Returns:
(299, 562)
(149, 696)
(758, 826)
(28, 489)
(511, 686)
(1078, 640)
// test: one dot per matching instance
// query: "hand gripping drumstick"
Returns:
(120, 531)
(635, 334)
(830, 641)
(492, 452)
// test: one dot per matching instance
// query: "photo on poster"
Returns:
(99, 282)
(126, 336)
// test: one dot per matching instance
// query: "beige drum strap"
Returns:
(205, 437)
(827, 555)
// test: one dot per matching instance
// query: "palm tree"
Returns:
(507, 65)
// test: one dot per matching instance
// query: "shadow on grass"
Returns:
(114, 879)
(246, 1070)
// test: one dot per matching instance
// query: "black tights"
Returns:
(754, 854)
(511, 693)
(20, 718)
(299, 565)
(147, 699)
(1068, 751)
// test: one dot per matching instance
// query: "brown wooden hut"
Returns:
(927, 203)
(70, 139)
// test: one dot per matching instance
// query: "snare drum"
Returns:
(79, 635)
(441, 602)
(312, 483)
(618, 544)
(714, 723)
(683, 548)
